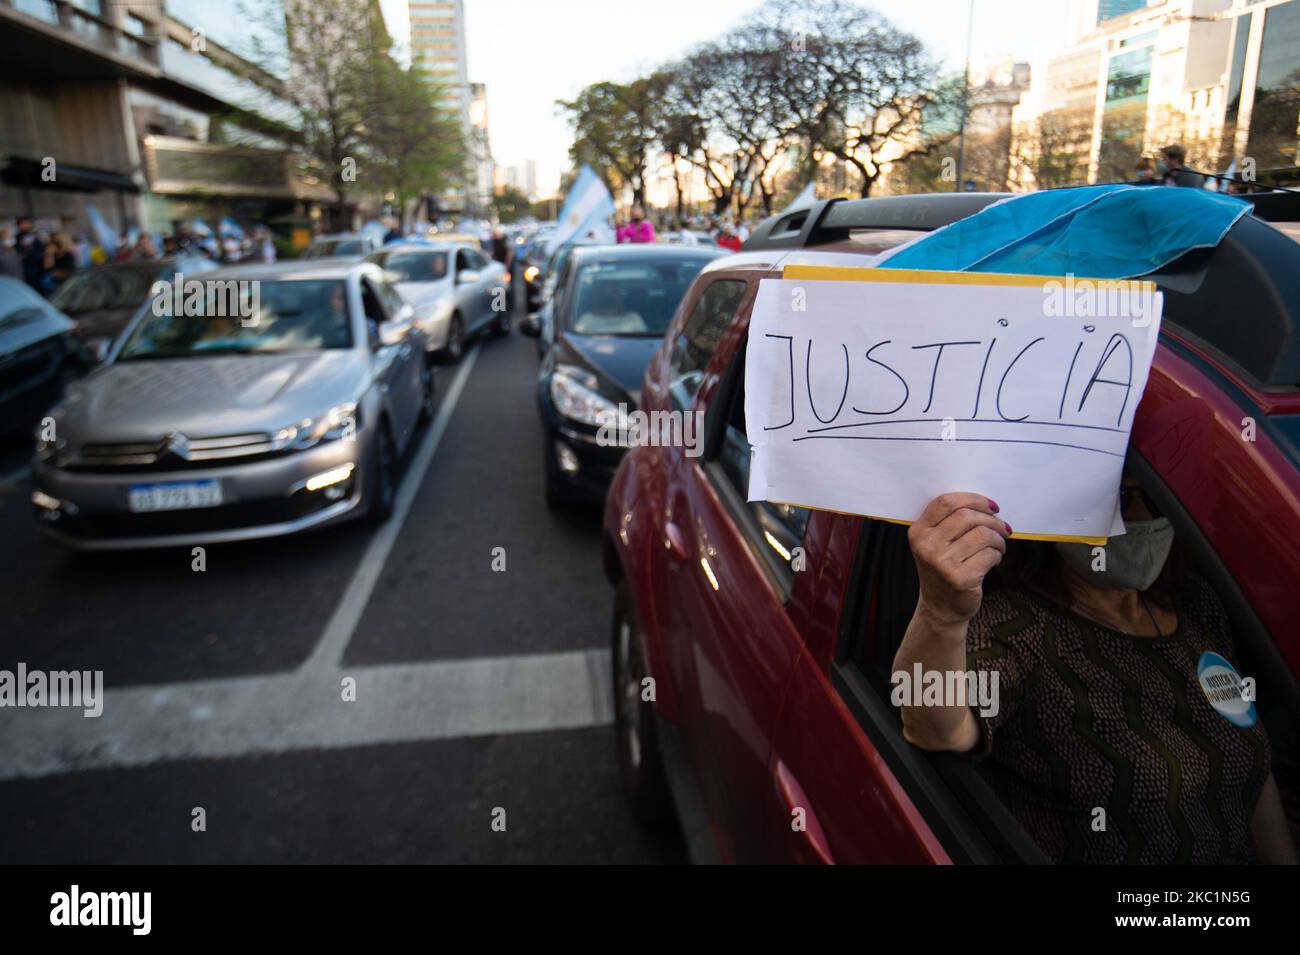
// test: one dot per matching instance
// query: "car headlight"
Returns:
(531, 273)
(575, 397)
(340, 421)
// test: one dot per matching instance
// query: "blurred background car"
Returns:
(103, 300)
(611, 308)
(341, 244)
(452, 289)
(39, 356)
(209, 428)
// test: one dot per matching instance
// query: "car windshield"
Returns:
(118, 286)
(407, 266)
(266, 317)
(630, 298)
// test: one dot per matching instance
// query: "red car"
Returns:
(752, 642)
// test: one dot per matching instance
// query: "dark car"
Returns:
(770, 630)
(38, 356)
(103, 300)
(611, 307)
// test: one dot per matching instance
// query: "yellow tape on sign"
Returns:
(852, 273)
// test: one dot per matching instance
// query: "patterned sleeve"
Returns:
(999, 646)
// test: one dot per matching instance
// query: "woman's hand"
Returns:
(956, 541)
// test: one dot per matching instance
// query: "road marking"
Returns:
(329, 650)
(266, 715)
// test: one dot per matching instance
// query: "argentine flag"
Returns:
(588, 206)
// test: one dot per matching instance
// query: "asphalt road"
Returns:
(479, 731)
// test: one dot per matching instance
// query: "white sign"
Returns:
(872, 391)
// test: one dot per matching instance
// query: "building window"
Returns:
(1273, 119)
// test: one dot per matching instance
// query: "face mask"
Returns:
(1133, 560)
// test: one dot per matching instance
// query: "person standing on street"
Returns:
(1172, 167)
(31, 250)
(638, 229)
(501, 249)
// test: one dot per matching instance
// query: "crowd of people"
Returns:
(45, 260)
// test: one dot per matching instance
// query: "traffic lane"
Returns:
(399, 803)
(482, 508)
(149, 617)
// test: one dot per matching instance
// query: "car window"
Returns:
(622, 297)
(407, 266)
(780, 527)
(694, 346)
(372, 304)
(285, 316)
(462, 260)
(883, 596)
(389, 298)
(115, 287)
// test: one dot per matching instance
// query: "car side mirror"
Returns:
(467, 276)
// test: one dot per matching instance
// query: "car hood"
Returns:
(423, 293)
(209, 396)
(619, 359)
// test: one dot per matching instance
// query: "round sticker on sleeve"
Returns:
(1222, 686)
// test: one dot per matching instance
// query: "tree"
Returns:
(327, 51)
(615, 128)
(511, 204)
(847, 82)
(1054, 150)
(413, 144)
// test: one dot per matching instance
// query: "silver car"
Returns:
(456, 291)
(278, 398)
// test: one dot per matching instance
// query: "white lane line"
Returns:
(329, 650)
(266, 715)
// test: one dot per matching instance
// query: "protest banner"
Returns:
(872, 391)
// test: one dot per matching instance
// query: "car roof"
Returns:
(430, 245)
(298, 270)
(334, 236)
(636, 251)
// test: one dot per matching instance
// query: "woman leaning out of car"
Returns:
(1103, 743)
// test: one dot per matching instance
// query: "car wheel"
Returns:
(455, 347)
(383, 477)
(637, 742)
(426, 393)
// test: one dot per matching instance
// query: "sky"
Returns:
(532, 52)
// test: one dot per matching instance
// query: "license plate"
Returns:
(174, 496)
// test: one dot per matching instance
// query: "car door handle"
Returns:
(675, 542)
(805, 827)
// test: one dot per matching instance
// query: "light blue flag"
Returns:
(199, 227)
(105, 238)
(587, 207)
(229, 226)
(1105, 232)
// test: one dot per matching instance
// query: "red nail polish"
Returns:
(1008, 528)
(993, 506)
